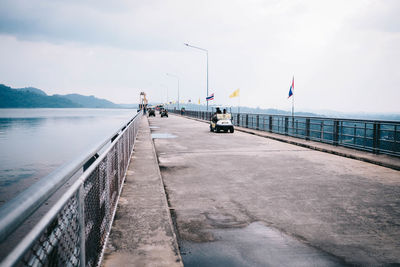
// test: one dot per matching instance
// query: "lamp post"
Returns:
(172, 75)
(205, 50)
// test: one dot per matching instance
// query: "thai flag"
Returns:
(291, 88)
(211, 97)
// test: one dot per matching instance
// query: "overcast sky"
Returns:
(344, 54)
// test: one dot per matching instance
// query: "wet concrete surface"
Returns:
(217, 183)
(162, 135)
(254, 245)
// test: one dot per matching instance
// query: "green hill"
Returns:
(90, 101)
(31, 97)
(32, 90)
(12, 98)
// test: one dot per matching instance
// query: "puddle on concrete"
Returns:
(254, 245)
(162, 135)
(154, 127)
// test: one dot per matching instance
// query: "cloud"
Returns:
(379, 16)
(100, 23)
(344, 54)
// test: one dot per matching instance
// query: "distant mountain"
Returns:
(90, 101)
(307, 113)
(270, 111)
(273, 111)
(32, 90)
(365, 116)
(19, 98)
(31, 97)
(128, 105)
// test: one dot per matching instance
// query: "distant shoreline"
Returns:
(30, 97)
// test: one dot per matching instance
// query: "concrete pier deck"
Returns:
(378, 159)
(142, 233)
(221, 183)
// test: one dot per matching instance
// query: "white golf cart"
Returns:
(221, 122)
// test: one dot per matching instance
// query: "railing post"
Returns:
(335, 132)
(82, 227)
(238, 119)
(270, 124)
(247, 120)
(307, 129)
(258, 122)
(365, 134)
(377, 136)
(395, 140)
(263, 127)
(292, 126)
(286, 125)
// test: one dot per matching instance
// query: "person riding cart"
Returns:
(221, 122)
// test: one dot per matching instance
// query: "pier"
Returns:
(345, 211)
(252, 198)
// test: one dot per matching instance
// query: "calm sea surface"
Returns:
(33, 142)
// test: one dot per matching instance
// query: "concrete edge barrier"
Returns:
(314, 146)
(155, 242)
(166, 204)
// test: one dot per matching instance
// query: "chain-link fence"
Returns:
(74, 231)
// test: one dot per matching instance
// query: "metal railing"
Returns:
(73, 232)
(379, 137)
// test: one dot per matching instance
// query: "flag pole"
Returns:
(293, 105)
(292, 98)
(239, 104)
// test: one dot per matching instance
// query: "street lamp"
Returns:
(172, 75)
(205, 50)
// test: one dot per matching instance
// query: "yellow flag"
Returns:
(199, 101)
(235, 93)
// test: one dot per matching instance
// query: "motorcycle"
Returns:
(164, 113)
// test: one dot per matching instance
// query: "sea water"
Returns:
(34, 142)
